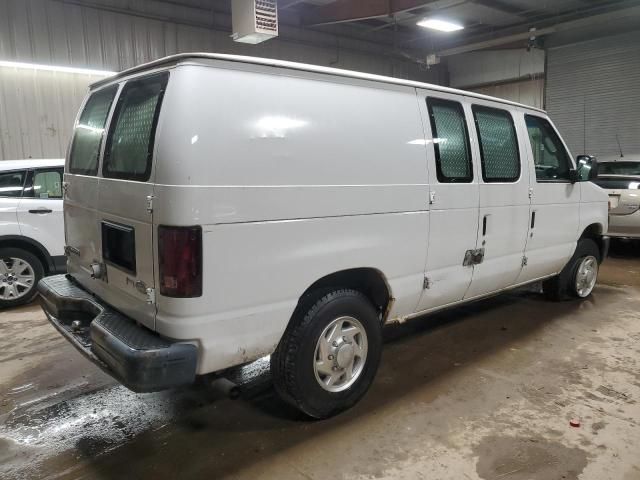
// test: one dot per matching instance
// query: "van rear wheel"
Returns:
(20, 272)
(329, 355)
(578, 278)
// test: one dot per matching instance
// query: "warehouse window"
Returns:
(87, 138)
(129, 149)
(498, 144)
(549, 155)
(11, 183)
(450, 141)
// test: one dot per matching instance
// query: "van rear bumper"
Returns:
(135, 356)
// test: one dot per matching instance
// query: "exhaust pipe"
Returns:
(226, 387)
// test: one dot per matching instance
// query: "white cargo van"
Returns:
(220, 209)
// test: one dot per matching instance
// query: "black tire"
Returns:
(563, 285)
(6, 255)
(292, 364)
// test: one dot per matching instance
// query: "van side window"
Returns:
(87, 137)
(129, 149)
(498, 144)
(450, 141)
(549, 155)
(11, 183)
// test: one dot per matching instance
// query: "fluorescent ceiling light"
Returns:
(441, 25)
(54, 68)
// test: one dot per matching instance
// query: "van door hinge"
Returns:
(524, 260)
(149, 203)
(151, 296)
(426, 284)
(432, 197)
(530, 192)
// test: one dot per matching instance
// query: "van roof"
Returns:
(181, 57)
(31, 163)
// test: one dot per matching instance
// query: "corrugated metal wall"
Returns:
(494, 66)
(512, 74)
(37, 109)
(528, 92)
(593, 95)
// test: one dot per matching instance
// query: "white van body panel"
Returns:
(297, 173)
(290, 195)
(278, 262)
(592, 209)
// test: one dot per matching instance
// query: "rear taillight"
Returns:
(180, 261)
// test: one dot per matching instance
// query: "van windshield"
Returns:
(129, 149)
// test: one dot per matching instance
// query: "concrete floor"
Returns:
(481, 392)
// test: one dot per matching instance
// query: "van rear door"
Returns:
(80, 186)
(121, 228)
(125, 196)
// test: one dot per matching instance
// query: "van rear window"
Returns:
(129, 148)
(87, 138)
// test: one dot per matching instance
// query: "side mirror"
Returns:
(587, 168)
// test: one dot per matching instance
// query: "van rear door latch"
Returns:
(149, 203)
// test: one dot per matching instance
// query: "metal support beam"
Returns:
(574, 24)
(283, 4)
(343, 11)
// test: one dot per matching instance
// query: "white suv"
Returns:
(31, 226)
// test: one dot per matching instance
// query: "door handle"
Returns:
(41, 211)
(533, 219)
(484, 225)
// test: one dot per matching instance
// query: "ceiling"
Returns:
(494, 24)
(483, 20)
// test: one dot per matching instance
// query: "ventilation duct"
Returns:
(254, 21)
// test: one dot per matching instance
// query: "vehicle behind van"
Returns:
(31, 227)
(219, 209)
(621, 180)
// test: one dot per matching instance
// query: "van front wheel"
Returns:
(329, 355)
(578, 278)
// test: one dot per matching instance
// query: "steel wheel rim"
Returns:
(586, 276)
(340, 354)
(17, 278)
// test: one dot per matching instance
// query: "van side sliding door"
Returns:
(453, 198)
(504, 198)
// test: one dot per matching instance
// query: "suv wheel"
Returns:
(20, 272)
(578, 278)
(329, 355)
